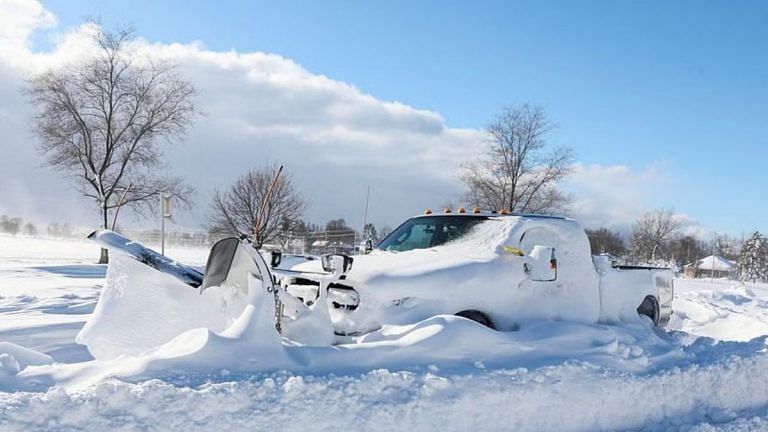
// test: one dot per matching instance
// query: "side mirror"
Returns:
(275, 259)
(541, 264)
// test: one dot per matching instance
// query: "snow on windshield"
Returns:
(429, 231)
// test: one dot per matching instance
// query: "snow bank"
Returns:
(14, 358)
(720, 309)
(140, 309)
(251, 345)
(569, 397)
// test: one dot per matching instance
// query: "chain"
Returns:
(278, 307)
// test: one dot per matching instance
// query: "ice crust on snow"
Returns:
(14, 358)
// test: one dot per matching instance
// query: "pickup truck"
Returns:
(500, 270)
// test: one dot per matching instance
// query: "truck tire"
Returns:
(477, 317)
(650, 308)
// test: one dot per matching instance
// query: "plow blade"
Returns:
(146, 301)
(117, 243)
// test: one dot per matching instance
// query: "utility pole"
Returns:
(165, 213)
(712, 270)
(365, 218)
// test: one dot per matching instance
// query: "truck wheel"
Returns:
(650, 308)
(477, 317)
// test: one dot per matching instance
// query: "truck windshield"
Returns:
(429, 231)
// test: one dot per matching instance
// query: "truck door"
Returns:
(561, 280)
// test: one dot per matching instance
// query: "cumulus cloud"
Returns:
(613, 196)
(19, 19)
(260, 107)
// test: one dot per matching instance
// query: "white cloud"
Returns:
(259, 107)
(19, 19)
(691, 227)
(264, 107)
(614, 196)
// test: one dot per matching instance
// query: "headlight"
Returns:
(343, 296)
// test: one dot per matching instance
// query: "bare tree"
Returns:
(687, 249)
(235, 211)
(604, 240)
(726, 246)
(519, 171)
(102, 122)
(337, 230)
(11, 225)
(652, 235)
(30, 229)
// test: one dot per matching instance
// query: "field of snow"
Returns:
(706, 372)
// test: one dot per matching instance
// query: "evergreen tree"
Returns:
(753, 262)
(369, 233)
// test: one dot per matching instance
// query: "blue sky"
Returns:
(682, 86)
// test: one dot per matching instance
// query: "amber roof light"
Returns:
(427, 212)
(476, 210)
(461, 210)
(447, 210)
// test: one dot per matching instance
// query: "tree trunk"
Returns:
(104, 258)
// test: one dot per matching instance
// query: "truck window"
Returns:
(427, 232)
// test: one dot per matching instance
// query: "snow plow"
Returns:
(499, 270)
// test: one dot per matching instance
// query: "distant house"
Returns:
(713, 266)
(329, 246)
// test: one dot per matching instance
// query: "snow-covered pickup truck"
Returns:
(497, 269)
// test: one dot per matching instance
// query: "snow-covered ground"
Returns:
(721, 309)
(707, 372)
